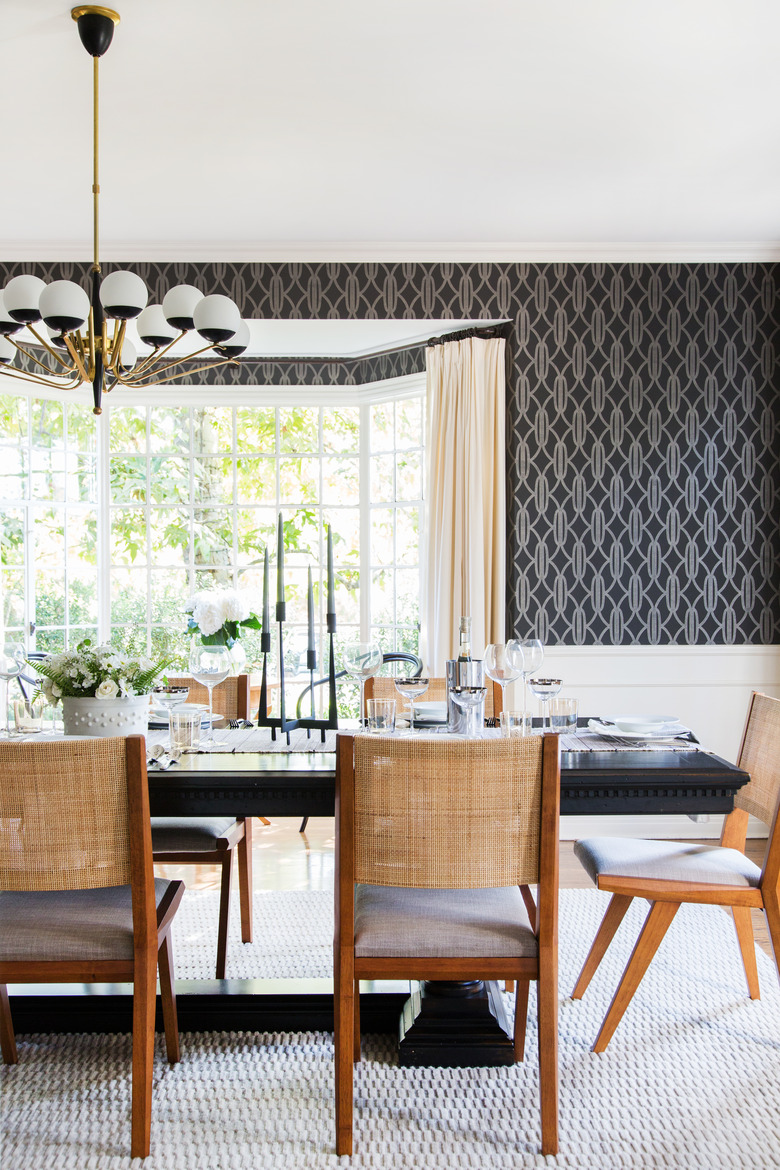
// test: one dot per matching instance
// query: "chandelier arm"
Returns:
(50, 350)
(53, 381)
(156, 354)
(183, 374)
(111, 355)
(77, 353)
(31, 357)
(188, 358)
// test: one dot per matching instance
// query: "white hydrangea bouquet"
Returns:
(99, 672)
(219, 615)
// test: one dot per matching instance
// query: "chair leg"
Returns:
(615, 913)
(304, 823)
(521, 1016)
(7, 1038)
(656, 925)
(224, 913)
(509, 986)
(357, 1052)
(547, 1015)
(344, 1044)
(772, 915)
(144, 1002)
(244, 850)
(743, 923)
(168, 998)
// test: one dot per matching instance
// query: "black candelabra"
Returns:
(280, 722)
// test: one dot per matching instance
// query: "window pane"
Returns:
(12, 589)
(128, 428)
(256, 428)
(407, 536)
(170, 590)
(212, 536)
(299, 429)
(381, 536)
(49, 598)
(13, 418)
(128, 596)
(169, 479)
(382, 594)
(213, 480)
(128, 479)
(12, 537)
(128, 536)
(169, 429)
(408, 422)
(82, 479)
(341, 429)
(408, 476)
(298, 480)
(212, 430)
(82, 596)
(382, 427)
(256, 529)
(48, 475)
(340, 481)
(170, 536)
(256, 480)
(382, 479)
(49, 528)
(82, 429)
(13, 473)
(47, 424)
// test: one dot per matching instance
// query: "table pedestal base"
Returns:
(455, 1024)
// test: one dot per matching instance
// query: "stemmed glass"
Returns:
(545, 689)
(468, 699)
(362, 660)
(11, 663)
(528, 655)
(210, 665)
(411, 689)
(502, 667)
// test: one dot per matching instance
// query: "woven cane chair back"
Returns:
(64, 819)
(436, 813)
(760, 756)
(231, 697)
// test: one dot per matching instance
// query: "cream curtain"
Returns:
(464, 565)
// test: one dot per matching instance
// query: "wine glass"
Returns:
(468, 700)
(502, 667)
(210, 665)
(411, 689)
(545, 689)
(528, 655)
(11, 663)
(362, 660)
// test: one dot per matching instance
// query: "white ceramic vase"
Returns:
(121, 716)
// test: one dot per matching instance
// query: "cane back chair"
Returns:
(668, 873)
(212, 840)
(79, 901)
(437, 844)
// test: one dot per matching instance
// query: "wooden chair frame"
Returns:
(151, 948)
(666, 897)
(349, 969)
(239, 837)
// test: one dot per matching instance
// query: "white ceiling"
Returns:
(266, 128)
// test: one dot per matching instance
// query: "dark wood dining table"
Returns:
(303, 784)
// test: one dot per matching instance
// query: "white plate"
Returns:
(642, 724)
(430, 712)
(666, 731)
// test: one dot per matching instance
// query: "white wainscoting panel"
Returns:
(706, 687)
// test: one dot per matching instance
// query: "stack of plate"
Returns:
(158, 716)
(430, 714)
(638, 726)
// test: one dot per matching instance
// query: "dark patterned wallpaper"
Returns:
(643, 457)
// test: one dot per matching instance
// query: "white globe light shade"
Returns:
(179, 306)
(216, 318)
(238, 342)
(153, 329)
(128, 357)
(64, 306)
(123, 295)
(21, 296)
(7, 324)
(7, 351)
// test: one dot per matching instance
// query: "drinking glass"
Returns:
(28, 715)
(411, 689)
(515, 723)
(501, 666)
(381, 715)
(185, 729)
(11, 663)
(362, 660)
(563, 715)
(467, 699)
(210, 665)
(528, 655)
(545, 689)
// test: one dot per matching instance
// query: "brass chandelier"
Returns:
(84, 337)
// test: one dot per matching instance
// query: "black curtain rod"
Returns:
(486, 332)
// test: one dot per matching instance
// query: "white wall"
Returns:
(706, 687)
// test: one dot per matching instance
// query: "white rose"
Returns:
(107, 689)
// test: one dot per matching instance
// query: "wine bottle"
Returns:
(464, 653)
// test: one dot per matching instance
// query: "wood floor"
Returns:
(285, 859)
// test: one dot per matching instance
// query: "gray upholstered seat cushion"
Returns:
(58, 925)
(189, 834)
(436, 923)
(666, 860)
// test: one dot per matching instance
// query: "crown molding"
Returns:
(200, 252)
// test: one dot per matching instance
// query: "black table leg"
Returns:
(455, 1024)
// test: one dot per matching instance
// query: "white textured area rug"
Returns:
(691, 1079)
